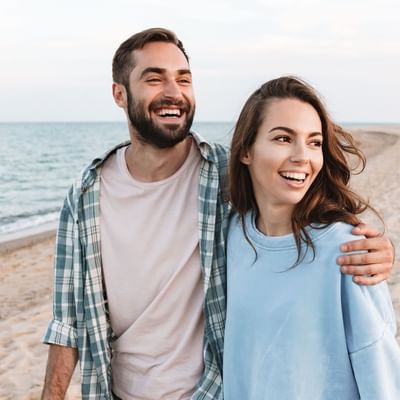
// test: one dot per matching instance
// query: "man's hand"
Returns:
(372, 267)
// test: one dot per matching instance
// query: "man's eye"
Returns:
(153, 80)
(185, 81)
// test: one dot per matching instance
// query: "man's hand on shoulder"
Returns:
(372, 267)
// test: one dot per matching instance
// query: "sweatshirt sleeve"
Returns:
(370, 329)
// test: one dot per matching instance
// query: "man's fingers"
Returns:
(366, 270)
(370, 280)
(374, 263)
(367, 274)
(377, 244)
(366, 230)
(359, 259)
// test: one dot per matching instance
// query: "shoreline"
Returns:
(27, 237)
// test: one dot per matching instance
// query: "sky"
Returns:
(56, 56)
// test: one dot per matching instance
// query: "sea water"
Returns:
(39, 161)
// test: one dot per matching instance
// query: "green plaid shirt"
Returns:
(80, 311)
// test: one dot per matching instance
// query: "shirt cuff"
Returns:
(61, 334)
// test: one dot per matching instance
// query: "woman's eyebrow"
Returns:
(292, 131)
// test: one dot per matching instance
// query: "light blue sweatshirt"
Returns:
(307, 332)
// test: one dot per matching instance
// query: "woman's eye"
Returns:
(282, 139)
(316, 143)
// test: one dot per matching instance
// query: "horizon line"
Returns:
(200, 121)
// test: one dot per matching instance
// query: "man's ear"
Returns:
(246, 157)
(119, 94)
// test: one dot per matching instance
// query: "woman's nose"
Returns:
(299, 154)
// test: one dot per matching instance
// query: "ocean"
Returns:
(39, 161)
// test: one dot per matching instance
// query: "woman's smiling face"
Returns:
(286, 156)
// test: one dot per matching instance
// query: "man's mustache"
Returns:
(182, 105)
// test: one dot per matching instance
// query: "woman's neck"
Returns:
(275, 220)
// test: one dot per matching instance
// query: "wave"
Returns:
(14, 223)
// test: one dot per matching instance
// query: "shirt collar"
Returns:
(91, 172)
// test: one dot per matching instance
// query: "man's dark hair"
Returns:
(124, 62)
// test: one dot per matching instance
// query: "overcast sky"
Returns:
(56, 55)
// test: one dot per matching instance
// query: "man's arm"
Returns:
(61, 333)
(60, 367)
(372, 267)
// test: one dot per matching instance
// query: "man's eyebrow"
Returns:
(184, 71)
(154, 70)
(157, 70)
(292, 132)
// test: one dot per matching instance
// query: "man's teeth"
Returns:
(297, 176)
(169, 112)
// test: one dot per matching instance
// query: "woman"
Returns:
(296, 328)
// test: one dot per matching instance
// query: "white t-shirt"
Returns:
(151, 264)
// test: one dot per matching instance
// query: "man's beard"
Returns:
(159, 136)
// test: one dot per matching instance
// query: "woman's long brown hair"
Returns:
(329, 199)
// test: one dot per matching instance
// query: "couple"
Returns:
(140, 267)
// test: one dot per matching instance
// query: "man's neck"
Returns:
(149, 164)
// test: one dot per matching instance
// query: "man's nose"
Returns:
(172, 90)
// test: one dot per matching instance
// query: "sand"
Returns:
(26, 295)
(26, 272)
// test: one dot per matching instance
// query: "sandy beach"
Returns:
(26, 270)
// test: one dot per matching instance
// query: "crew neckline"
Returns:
(287, 241)
(123, 167)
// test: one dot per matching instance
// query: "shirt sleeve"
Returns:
(370, 333)
(62, 328)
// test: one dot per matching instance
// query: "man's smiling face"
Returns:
(160, 98)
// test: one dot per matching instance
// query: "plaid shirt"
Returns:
(80, 311)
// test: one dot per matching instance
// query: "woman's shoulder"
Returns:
(234, 222)
(235, 229)
(368, 307)
(332, 235)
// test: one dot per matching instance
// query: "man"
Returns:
(140, 263)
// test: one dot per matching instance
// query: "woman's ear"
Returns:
(246, 157)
